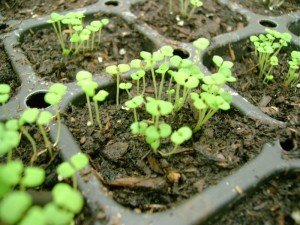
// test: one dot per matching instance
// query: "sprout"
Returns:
(53, 97)
(133, 104)
(201, 44)
(99, 97)
(137, 76)
(293, 76)
(117, 70)
(43, 120)
(68, 169)
(126, 87)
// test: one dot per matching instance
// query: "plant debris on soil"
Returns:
(120, 43)
(208, 21)
(276, 202)
(257, 6)
(26, 9)
(137, 178)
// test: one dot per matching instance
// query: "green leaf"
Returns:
(12, 124)
(135, 102)
(58, 89)
(67, 198)
(181, 135)
(152, 132)
(56, 215)
(52, 98)
(83, 75)
(100, 96)
(13, 206)
(217, 60)
(125, 86)
(123, 68)
(79, 161)
(44, 118)
(154, 143)
(164, 130)
(4, 98)
(10, 173)
(138, 128)
(29, 116)
(167, 50)
(35, 215)
(65, 170)
(112, 69)
(33, 177)
(4, 89)
(159, 107)
(201, 43)
(138, 75)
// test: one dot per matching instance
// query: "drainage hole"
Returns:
(36, 100)
(182, 53)
(268, 23)
(287, 144)
(112, 3)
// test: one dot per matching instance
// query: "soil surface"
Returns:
(26, 9)
(208, 21)
(120, 43)
(257, 6)
(137, 178)
(276, 202)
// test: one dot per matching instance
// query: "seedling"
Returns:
(293, 76)
(99, 97)
(117, 70)
(134, 103)
(4, 96)
(185, 7)
(201, 44)
(29, 116)
(9, 137)
(68, 169)
(80, 38)
(84, 80)
(126, 87)
(43, 120)
(54, 97)
(137, 76)
(268, 46)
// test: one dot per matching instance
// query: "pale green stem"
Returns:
(135, 115)
(90, 109)
(33, 144)
(161, 85)
(191, 12)
(97, 115)
(118, 91)
(154, 81)
(46, 139)
(58, 125)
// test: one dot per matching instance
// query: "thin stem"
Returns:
(135, 115)
(58, 125)
(74, 181)
(154, 81)
(46, 139)
(97, 115)
(33, 144)
(161, 85)
(191, 12)
(118, 91)
(137, 87)
(90, 109)
(144, 85)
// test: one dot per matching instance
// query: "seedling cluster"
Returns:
(267, 47)
(187, 7)
(76, 37)
(176, 83)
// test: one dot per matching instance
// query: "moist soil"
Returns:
(208, 21)
(275, 202)
(257, 6)
(137, 178)
(120, 43)
(27, 9)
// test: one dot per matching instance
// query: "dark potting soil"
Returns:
(279, 102)
(257, 6)
(208, 21)
(275, 202)
(7, 74)
(26, 9)
(137, 178)
(120, 43)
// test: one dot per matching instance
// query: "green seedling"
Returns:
(134, 103)
(79, 38)
(178, 137)
(54, 97)
(126, 87)
(68, 169)
(84, 80)
(151, 60)
(29, 116)
(99, 97)
(293, 75)
(117, 70)
(9, 137)
(158, 108)
(268, 46)
(186, 6)
(136, 76)
(44, 119)
(4, 96)
(201, 44)
(162, 70)
(13, 206)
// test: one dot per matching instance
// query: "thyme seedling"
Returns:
(293, 75)
(99, 97)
